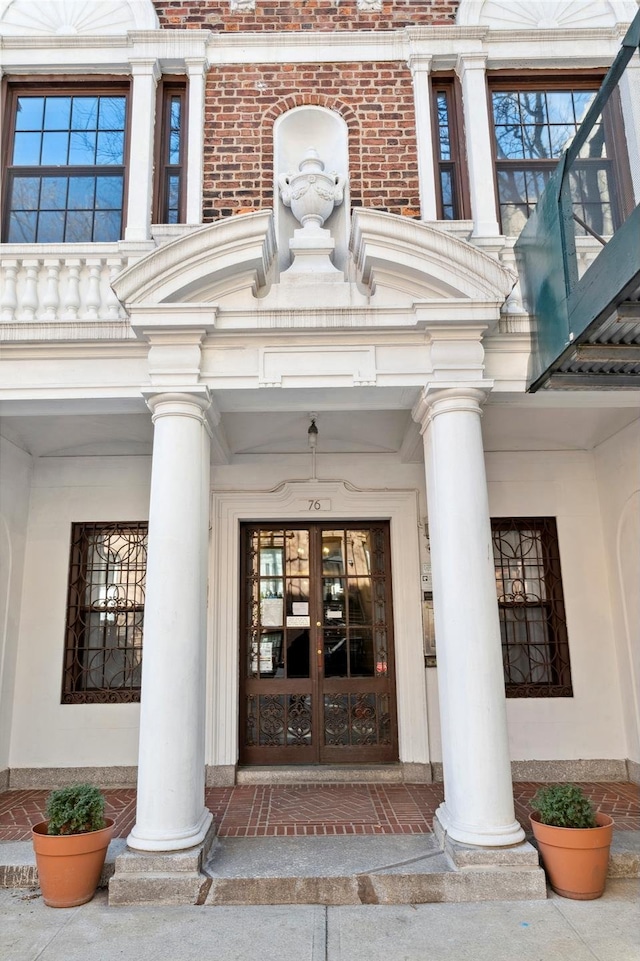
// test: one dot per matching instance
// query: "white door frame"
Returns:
(314, 500)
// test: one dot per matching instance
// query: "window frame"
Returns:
(53, 86)
(505, 81)
(76, 626)
(553, 603)
(168, 88)
(449, 84)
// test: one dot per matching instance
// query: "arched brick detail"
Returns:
(347, 113)
(243, 101)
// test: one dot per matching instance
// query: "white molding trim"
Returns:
(69, 18)
(289, 501)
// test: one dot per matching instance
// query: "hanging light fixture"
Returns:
(312, 433)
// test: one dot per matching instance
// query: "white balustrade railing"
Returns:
(61, 284)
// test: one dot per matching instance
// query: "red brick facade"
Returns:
(243, 102)
(303, 15)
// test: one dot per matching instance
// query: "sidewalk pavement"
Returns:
(553, 930)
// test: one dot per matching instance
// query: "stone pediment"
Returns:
(228, 263)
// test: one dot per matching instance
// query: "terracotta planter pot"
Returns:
(575, 859)
(69, 865)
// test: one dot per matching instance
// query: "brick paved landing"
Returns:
(316, 809)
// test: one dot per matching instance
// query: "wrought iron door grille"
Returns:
(535, 644)
(105, 610)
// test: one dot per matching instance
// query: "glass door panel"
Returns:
(317, 682)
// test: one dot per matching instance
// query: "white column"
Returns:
(478, 806)
(196, 70)
(420, 67)
(170, 812)
(146, 74)
(471, 70)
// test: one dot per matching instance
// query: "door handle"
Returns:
(318, 623)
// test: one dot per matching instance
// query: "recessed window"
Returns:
(533, 125)
(535, 646)
(172, 149)
(66, 171)
(449, 166)
(105, 610)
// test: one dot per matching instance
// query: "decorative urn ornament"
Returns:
(311, 193)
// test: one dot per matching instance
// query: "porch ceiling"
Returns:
(270, 431)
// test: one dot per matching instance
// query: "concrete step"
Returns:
(391, 869)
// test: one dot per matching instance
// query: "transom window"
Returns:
(105, 610)
(532, 128)
(66, 172)
(535, 646)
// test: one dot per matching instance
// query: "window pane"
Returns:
(29, 113)
(509, 143)
(57, 111)
(511, 186)
(582, 100)
(110, 149)
(174, 191)
(84, 114)
(22, 227)
(176, 113)
(107, 226)
(513, 218)
(560, 107)
(26, 149)
(560, 137)
(506, 109)
(82, 148)
(79, 226)
(174, 147)
(81, 190)
(26, 193)
(51, 227)
(533, 107)
(53, 195)
(443, 126)
(109, 193)
(536, 142)
(595, 145)
(112, 112)
(54, 148)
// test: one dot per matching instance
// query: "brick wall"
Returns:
(243, 102)
(303, 15)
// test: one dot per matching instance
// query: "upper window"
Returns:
(535, 646)
(105, 609)
(66, 166)
(171, 182)
(450, 180)
(533, 125)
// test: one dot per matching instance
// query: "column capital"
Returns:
(419, 63)
(196, 66)
(475, 60)
(145, 67)
(445, 400)
(186, 402)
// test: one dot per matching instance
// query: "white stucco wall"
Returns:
(562, 484)
(617, 463)
(45, 732)
(15, 485)
(588, 725)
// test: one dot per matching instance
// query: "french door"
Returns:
(317, 672)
